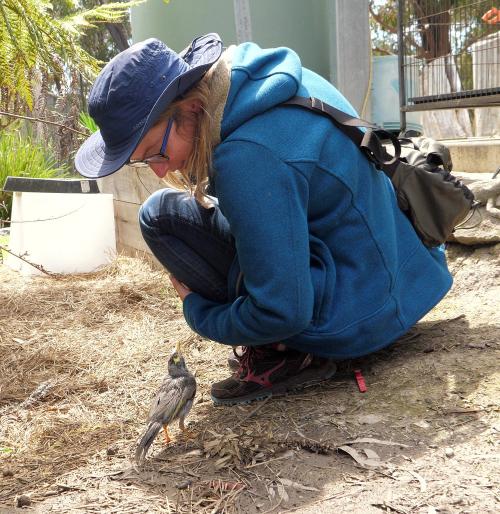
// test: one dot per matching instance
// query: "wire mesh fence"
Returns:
(449, 54)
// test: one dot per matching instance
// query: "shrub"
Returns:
(22, 156)
(87, 122)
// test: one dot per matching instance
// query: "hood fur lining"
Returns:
(219, 90)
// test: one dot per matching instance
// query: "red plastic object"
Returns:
(360, 380)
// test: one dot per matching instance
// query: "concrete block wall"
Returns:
(475, 154)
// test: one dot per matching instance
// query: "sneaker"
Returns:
(264, 371)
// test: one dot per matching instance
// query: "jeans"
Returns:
(193, 243)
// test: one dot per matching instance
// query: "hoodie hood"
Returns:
(260, 79)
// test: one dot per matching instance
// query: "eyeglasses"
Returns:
(157, 158)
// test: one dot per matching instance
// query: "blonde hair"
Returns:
(194, 176)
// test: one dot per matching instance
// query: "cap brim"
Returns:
(94, 159)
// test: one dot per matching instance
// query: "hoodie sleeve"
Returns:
(265, 202)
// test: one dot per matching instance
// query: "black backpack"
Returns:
(433, 199)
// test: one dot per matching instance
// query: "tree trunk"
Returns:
(433, 24)
(119, 34)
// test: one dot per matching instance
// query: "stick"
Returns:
(30, 118)
(39, 267)
(250, 414)
(267, 461)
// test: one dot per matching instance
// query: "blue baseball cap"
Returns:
(132, 91)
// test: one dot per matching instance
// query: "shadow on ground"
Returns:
(423, 433)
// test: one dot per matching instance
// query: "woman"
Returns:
(301, 254)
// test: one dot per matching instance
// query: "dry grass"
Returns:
(99, 343)
(82, 357)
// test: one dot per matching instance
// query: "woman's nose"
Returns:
(159, 168)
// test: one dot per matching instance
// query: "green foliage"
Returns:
(87, 122)
(427, 24)
(4, 241)
(33, 38)
(22, 156)
(113, 12)
(383, 26)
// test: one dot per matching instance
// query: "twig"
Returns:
(328, 498)
(250, 414)
(428, 497)
(285, 456)
(60, 488)
(39, 267)
(31, 118)
(273, 508)
(384, 506)
(39, 393)
(464, 411)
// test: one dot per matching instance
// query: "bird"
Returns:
(173, 401)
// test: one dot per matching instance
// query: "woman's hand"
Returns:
(181, 289)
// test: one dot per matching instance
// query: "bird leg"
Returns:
(189, 434)
(166, 435)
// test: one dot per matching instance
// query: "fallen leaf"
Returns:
(282, 492)
(220, 463)
(362, 461)
(480, 346)
(371, 454)
(194, 453)
(422, 424)
(211, 444)
(376, 441)
(225, 486)
(297, 485)
(421, 480)
(19, 341)
(369, 419)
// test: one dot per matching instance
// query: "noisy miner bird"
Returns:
(173, 401)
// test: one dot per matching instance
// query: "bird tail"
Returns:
(146, 441)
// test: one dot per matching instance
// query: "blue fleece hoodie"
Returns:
(330, 265)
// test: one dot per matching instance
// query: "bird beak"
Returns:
(178, 347)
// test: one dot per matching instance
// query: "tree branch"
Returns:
(380, 20)
(30, 118)
(39, 267)
(382, 50)
(119, 35)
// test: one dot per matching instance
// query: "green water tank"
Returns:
(332, 37)
(385, 96)
(298, 24)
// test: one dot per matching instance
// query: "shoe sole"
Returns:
(292, 385)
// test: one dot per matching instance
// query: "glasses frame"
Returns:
(158, 158)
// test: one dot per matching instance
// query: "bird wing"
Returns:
(171, 398)
(188, 397)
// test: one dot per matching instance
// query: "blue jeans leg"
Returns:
(193, 243)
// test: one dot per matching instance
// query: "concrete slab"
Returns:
(475, 154)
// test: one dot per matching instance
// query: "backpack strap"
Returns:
(367, 141)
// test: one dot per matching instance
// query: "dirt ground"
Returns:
(82, 357)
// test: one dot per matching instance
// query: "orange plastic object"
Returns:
(492, 16)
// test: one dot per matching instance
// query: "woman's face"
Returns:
(179, 144)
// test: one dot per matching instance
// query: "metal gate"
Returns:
(449, 55)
